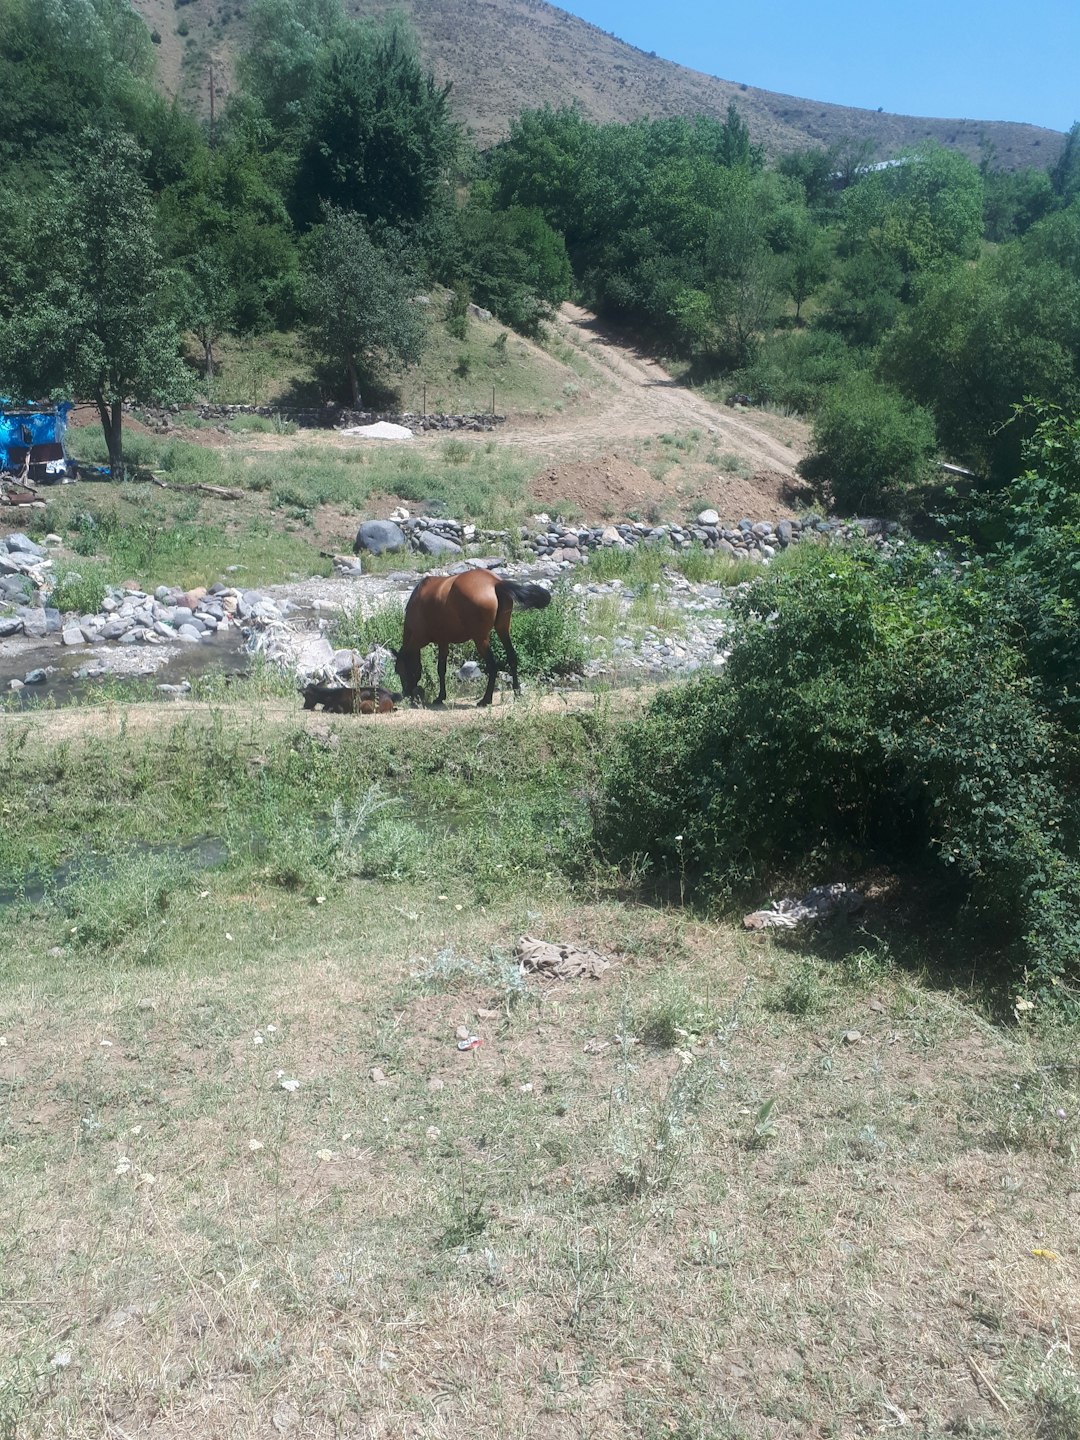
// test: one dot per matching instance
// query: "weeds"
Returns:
(674, 1016)
(449, 970)
(652, 1138)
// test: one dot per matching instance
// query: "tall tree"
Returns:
(379, 139)
(86, 290)
(357, 302)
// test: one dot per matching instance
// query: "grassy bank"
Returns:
(731, 1189)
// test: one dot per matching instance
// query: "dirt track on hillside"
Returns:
(640, 399)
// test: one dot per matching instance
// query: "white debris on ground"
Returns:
(380, 430)
(817, 904)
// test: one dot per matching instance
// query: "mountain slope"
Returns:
(506, 55)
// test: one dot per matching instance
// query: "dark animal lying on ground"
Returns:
(343, 700)
(451, 610)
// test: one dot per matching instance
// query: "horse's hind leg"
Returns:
(502, 629)
(444, 651)
(484, 650)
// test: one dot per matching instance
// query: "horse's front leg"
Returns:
(444, 651)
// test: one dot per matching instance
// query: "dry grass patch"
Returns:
(589, 1225)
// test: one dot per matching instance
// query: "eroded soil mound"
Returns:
(612, 487)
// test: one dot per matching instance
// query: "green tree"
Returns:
(356, 302)
(69, 65)
(87, 295)
(807, 263)
(978, 339)
(870, 445)
(1065, 172)
(515, 263)
(863, 301)
(1015, 200)
(921, 210)
(735, 147)
(744, 275)
(286, 44)
(379, 137)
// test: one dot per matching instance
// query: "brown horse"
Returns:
(447, 610)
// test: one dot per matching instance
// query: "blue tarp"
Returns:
(35, 428)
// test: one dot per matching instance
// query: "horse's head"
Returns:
(407, 665)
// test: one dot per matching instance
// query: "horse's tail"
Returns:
(526, 597)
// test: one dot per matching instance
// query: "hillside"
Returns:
(502, 55)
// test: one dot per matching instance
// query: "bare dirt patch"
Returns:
(615, 487)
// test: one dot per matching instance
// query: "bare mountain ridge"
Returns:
(507, 55)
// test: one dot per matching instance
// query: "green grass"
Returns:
(656, 1204)
(455, 375)
(283, 810)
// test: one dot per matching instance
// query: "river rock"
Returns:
(379, 537)
(9, 625)
(708, 517)
(72, 635)
(24, 546)
(432, 544)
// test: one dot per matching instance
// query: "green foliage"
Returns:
(378, 137)
(921, 210)
(881, 710)
(88, 313)
(125, 903)
(548, 642)
(1031, 528)
(516, 264)
(102, 51)
(1015, 200)
(795, 369)
(81, 591)
(871, 446)
(863, 300)
(978, 339)
(357, 302)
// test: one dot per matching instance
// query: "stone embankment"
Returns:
(318, 417)
(572, 544)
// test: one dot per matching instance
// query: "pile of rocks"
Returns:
(748, 540)
(547, 540)
(24, 580)
(426, 534)
(130, 616)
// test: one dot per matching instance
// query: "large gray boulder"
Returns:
(378, 537)
(23, 545)
(432, 544)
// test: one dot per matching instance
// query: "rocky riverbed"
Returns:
(176, 634)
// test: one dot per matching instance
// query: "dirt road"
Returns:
(636, 398)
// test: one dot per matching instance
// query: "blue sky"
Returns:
(951, 58)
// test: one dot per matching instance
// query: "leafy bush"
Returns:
(870, 445)
(1031, 529)
(550, 641)
(81, 591)
(882, 709)
(124, 904)
(795, 369)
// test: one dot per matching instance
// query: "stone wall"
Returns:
(322, 417)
